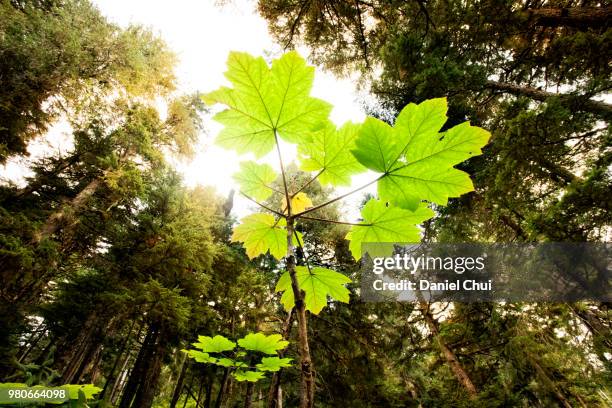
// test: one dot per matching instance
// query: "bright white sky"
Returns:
(202, 35)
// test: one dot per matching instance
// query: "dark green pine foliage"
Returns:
(57, 56)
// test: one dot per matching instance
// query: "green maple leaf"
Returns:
(273, 363)
(329, 152)
(200, 356)
(261, 233)
(217, 344)
(317, 284)
(255, 180)
(228, 362)
(244, 375)
(416, 161)
(267, 101)
(386, 224)
(262, 343)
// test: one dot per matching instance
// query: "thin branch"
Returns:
(262, 205)
(316, 176)
(334, 221)
(276, 190)
(333, 200)
(280, 159)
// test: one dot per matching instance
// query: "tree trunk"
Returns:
(587, 105)
(577, 17)
(63, 215)
(111, 376)
(222, 388)
(148, 382)
(94, 369)
(450, 357)
(74, 350)
(33, 343)
(89, 356)
(209, 388)
(178, 388)
(200, 394)
(548, 382)
(119, 384)
(274, 394)
(248, 398)
(188, 390)
(138, 370)
(307, 383)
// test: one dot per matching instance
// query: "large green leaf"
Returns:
(273, 363)
(415, 159)
(255, 180)
(330, 154)
(200, 357)
(261, 233)
(386, 224)
(262, 343)
(376, 147)
(251, 376)
(317, 283)
(265, 101)
(215, 344)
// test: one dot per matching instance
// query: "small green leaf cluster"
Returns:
(249, 359)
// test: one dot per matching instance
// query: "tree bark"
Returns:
(450, 357)
(138, 370)
(307, 371)
(576, 17)
(118, 385)
(548, 382)
(111, 379)
(63, 215)
(33, 342)
(148, 382)
(179, 384)
(209, 387)
(200, 394)
(575, 102)
(222, 388)
(274, 394)
(248, 398)
(89, 355)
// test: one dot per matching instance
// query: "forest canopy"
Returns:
(487, 121)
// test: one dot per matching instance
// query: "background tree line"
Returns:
(110, 265)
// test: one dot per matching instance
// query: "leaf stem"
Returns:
(280, 159)
(334, 221)
(316, 176)
(262, 205)
(333, 200)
